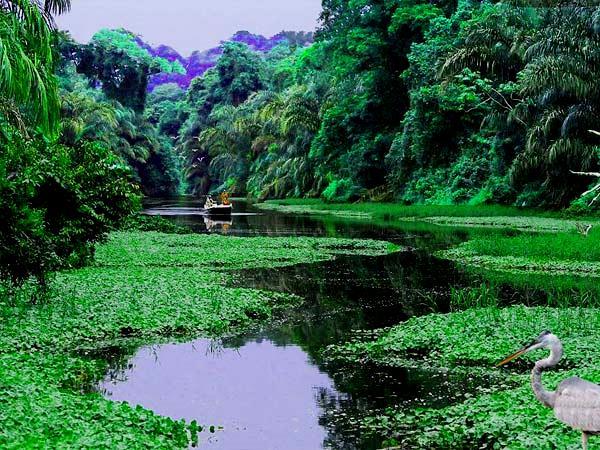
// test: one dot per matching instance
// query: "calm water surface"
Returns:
(271, 388)
(264, 395)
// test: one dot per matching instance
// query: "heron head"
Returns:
(544, 340)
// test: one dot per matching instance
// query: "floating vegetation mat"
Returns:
(143, 287)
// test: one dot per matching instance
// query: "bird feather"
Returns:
(578, 404)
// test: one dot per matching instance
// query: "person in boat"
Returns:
(225, 198)
(210, 203)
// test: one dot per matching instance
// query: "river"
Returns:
(270, 388)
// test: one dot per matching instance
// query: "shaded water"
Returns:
(271, 388)
(248, 220)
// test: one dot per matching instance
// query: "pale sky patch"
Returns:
(188, 25)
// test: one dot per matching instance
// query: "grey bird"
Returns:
(575, 402)
(584, 228)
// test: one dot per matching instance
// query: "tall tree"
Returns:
(560, 83)
(114, 59)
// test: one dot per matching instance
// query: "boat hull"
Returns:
(220, 210)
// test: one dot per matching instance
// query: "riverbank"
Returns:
(553, 259)
(485, 216)
(564, 253)
(543, 242)
(144, 287)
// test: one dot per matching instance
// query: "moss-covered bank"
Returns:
(143, 287)
(563, 253)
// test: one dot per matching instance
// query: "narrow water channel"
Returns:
(271, 388)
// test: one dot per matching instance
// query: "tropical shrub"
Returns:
(56, 202)
(340, 191)
(87, 115)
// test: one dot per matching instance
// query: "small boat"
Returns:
(218, 210)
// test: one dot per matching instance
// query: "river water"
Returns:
(271, 388)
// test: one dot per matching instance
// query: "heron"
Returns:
(575, 402)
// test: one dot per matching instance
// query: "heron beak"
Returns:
(513, 356)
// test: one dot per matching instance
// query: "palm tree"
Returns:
(489, 43)
(261, 146)
(289, 121)
(223, 147)
(560, 81)
(552, 57)
(27, 82)
(56, 6)
(86, 118)
(47, 7)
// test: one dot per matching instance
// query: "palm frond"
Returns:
(26, 61)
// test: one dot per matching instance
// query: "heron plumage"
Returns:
(577, 404)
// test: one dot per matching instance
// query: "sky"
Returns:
(188, 25)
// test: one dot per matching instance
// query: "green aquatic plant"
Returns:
(561, 246)
(47, 403)
(538, 289)
(397, 211)
(143, 287)
(465, 216)
(139, 222)
(472, 341)
(477, 297)
(522, 223)
(567, 253)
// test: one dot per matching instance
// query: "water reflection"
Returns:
(264, 395)
(272, 389)
(248, 220)
(377, 291)
(222, 226)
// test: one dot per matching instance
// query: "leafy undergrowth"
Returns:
(144, 286)
(560, 253)
(473, 341)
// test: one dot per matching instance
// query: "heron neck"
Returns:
(544, 396)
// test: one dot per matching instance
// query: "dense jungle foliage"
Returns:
(74, 158)
(421, 102)
(58, 195)
(413, 101)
